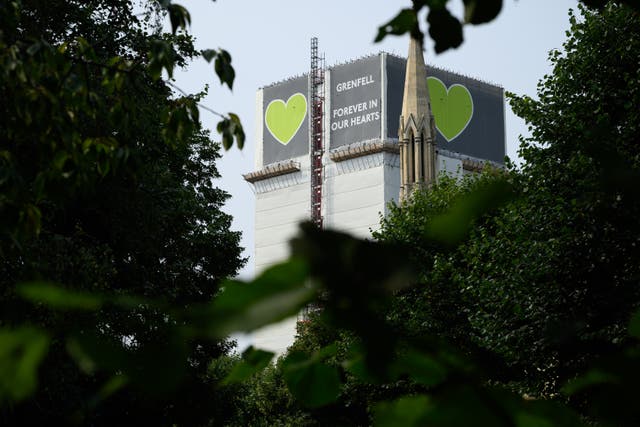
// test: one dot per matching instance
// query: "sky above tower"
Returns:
(269, 41)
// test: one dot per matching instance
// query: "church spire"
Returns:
(417, 126)
(416, 95)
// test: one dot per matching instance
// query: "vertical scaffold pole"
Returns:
(316, 88)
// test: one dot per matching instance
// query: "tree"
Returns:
(549, 280)
(107, 189)
(529, 326)
(545, 283)
(432, 307)
(156, 344)
(261, 399)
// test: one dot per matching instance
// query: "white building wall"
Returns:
(282, 202)
(276, 337)
(358, 190)
(278, 213)
(453, 167)
(391, 179)
(354, 194)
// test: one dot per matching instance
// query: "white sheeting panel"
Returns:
(283, 198)
(357, 218)
(348, 200)
(271, 254)
(273, 235)
(276, 337)
(356, 180)
(285, 215)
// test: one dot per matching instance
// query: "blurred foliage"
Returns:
(524, 281)
(108, 216)
(497, 300)
(261, 399)
(446, 30)
(21, 352)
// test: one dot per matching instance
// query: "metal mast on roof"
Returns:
(316, 92)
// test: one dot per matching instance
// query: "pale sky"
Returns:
(269, 41)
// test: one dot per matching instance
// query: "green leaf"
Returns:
(57, 297)
(444, 29)
(238, 131)
(544, 414)
(34, 48)
(21, 352)
(155, 366)
(110, 387)
(31, 218)
(161, 56)
(327, 351)
(634, 325)
(130, 302)
(224, 128)
(421, 368)
(93, 353)
(481, 11)
(192, 107)
(209, 54)
(464, 405)
(591, 378)
(59, 160)
(596, 4)
(279, 292)
(356, 365)
(312, 382)
(38, 185)
(406, 411)
(452, 227)
(404, 22)
(223, 68)
(179, 17)
(253, 361)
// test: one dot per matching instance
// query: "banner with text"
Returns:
(355, 103)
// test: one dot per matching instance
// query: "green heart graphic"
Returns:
(284, 120)
(452, 109)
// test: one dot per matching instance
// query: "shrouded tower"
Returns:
(447, 122)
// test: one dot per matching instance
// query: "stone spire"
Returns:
(417, 127)
(416, 94)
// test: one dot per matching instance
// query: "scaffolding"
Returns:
(316, 90)
(316, 94)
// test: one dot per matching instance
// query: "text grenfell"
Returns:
(351, 84)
